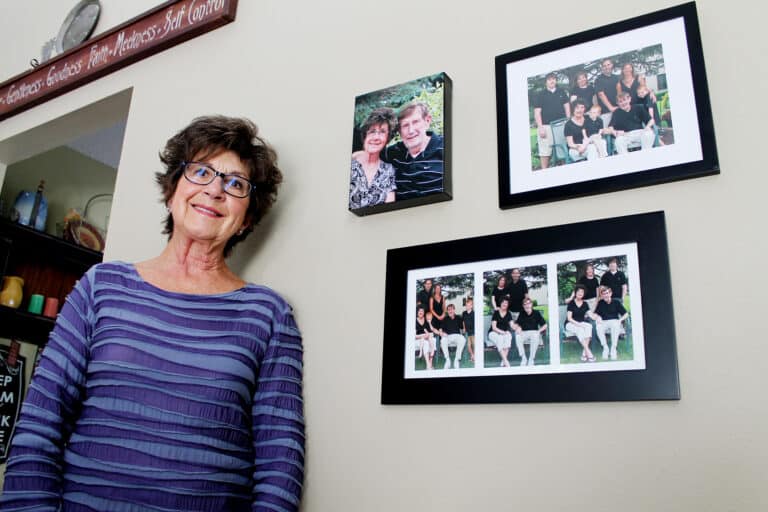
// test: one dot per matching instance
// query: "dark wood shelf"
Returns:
(49, 265)
(53, 246)
(24, 326)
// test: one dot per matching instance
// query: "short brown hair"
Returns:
(382, 115)
(209, 135)
(408, 109)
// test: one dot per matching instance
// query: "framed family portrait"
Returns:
(620, 106)
(577, 312)
(401, 146)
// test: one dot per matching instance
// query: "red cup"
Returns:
(51, 308)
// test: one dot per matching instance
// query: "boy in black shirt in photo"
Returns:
(631, 124)
(468, 316)
(593, 128)
(609, 314)
(530, 326)
(452, 325)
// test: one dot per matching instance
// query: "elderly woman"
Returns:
(172, 384)
(372, 181)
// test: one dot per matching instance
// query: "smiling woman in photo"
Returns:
(372, 180)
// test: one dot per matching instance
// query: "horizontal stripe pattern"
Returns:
(148, 400)
(418, 175)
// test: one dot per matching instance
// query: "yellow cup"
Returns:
(12, 293)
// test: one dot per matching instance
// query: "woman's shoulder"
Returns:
(386, 167)
(571, 122)
(107, 269)
(264, 295)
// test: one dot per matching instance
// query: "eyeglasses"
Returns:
(203, 174)
(375, 131)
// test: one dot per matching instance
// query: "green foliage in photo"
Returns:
(429, 90)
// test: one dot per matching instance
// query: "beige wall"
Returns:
(71, 178)
(295, 69)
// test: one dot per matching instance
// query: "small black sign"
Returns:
(11, 394)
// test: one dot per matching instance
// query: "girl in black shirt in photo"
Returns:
(501, 329)
(424, 337)
(577, 322)
(499, 293)
(437, 307)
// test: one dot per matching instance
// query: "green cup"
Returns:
(35, 304)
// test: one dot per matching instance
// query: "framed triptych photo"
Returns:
(578, 312)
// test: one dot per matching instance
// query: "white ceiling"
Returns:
(104, 145)
(84, 126)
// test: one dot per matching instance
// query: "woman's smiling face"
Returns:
(205, 213)
(376, 138)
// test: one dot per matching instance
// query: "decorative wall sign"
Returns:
(551, 148)
(515, 327)
(156, 30)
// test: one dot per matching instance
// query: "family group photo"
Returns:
(611, 105)
(445, 323)
(594, 308)
(398, 146)
(569, 311)
(514, 313)
(516, 316)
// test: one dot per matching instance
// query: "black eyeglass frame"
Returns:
(217, 174)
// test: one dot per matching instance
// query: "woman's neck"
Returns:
(193, 256)
(191, 267)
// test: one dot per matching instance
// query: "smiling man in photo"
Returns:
(418, 156)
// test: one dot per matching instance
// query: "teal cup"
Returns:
(36, 304)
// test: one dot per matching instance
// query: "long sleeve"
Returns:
(33, 472)
(278, 421)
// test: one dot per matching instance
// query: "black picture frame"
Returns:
(653, 378)
(667, 40)
(421, 179)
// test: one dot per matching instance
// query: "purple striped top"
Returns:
(149, 400)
